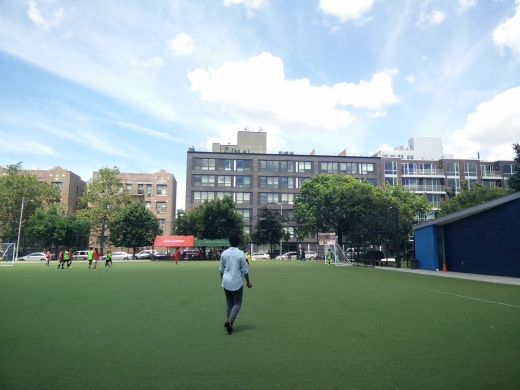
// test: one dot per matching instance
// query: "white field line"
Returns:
(476, 299)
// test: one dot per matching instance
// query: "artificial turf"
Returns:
(303, 325)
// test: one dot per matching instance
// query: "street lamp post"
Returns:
(281, 239)
(19, 228)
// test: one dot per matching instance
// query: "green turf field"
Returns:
(303, 325)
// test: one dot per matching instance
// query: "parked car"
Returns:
(116, 256)
(161, 256)
(80, 255)
(311, 255)
(33, 256)
(191, 254)
(287, 256)
(260, 256)
(146, 254)
(372, 254)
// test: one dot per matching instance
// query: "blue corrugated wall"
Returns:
(486, 243)
(426, 251)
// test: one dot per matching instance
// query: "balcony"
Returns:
(424, 172)
(491, 175)
(425, 188)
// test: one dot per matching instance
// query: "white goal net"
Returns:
(338, 257)
(7, 254)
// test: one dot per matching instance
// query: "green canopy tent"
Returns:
(200, 242)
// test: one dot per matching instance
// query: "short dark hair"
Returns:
(234, 240)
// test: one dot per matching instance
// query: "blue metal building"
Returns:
(483, 239)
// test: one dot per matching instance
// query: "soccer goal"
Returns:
(338, 257)
(7, 254)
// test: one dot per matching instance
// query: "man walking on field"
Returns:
(233, 267)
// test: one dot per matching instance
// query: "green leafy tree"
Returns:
(339, 203)
(218, 219)
(468, 197)
(54, 227)
(269, 229)
(103, 198)
(186, 223)
(134, 227)
(15, 185)
(513, 181)
(409, 205)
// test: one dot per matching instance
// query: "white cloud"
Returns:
(495, 124)
(258, 90)
(154, 61)
(345, 10)
(507, 34)
(181, 44)
(410, 78)
(251, 4)
(467, 4)
(152, 133)
(35, 15)
(432, 18)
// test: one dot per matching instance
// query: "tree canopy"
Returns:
(212, 219)
(15, 185)
(134, 226)
(513, 181)
(54, 228)
(103, 198)
(468, 197)
(269, 229)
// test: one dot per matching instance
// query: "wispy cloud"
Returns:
(507, 34)
(346, 10)
(152, 133)
(181, 44)
(36, 16)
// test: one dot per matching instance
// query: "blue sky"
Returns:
(133, 84)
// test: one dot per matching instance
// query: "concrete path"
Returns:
(458, 275)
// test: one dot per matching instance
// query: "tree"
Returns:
(513, 181)
(103, 198)
(468, 197)
(15, 186)
(54, 228)
(212, 219)
(134, 227)
(269, 229)
(339, 203)
(409, 205)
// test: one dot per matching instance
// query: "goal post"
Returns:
(338, 257)
(7, 253)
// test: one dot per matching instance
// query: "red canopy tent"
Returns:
(173, 241)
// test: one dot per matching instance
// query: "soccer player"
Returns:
(108, 259)
(90, 256)
(95, 258)
(233, 266)
(65, 258)
(329, 257)
(47, 257)
(60, 259)
(69, 264)
(177, 256)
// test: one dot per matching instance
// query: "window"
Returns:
(160, 207)
(240, 165)
(509, 169)
(243, 181)
(329, 167)
(390, 167)
(370, 181)
(471, 181)
(452, 169)
(161, 189)
(434, 200)
(290, 230)
(270, 166)
(268, 197)
(161, 223)
(305, 166)
(205, 164)
(366, 168)
(287, 198)
(287, 166)
(140, 189)
(300, 181)
(228, 165)
(148, 205)
(243, 197)
(148, 189)
(470, 169)
(491, 183)
(225, 181)
(221, 195)
(245, 213)
(427, 169)
(288, 214)
(287, 182)
(204, 180)
(408, 169)
(203, 195)
(350, 168)
(486, 170)
(268, 182)
(129, 187)
(391, 181)
(454, 184)
(57, 184)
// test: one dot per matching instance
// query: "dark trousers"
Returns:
(234, 301)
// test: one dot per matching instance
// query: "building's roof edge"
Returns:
(469, 211)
